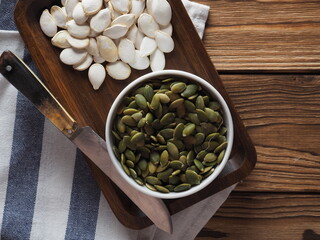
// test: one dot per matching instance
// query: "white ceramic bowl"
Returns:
(162, 74)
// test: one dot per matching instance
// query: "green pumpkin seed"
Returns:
(212, 115)
(164, 158)
(163, 98)
(137, 116)
(223, 130)
(176, 164)
(121, 127)
(210, 146)
(141, 123)
(182, 187)
(141, 101)
(155, 157)
(116, 135)
(167, 133)
(201, 155)
(176, 172)
(145, 173)
(172, 96)
(200, 103)
(130, 111)
(161, 139)
(122, 146)
(130, 155)
(128, 120)
(164, 176)
(206, 169)
(152, 168)
(133, 173)
(190, 90)
(153, 180)
(189, 140)
(116, 152)
(173, 150)
(148, 92)
(189, 106)
(210, 157)
(193, 117)
(162, 168)
(212, 136)
(126, 169)
(221, 147)
(199, 138)
(177, 134)
(179, 144)
(207, 128)
(181, 111)
(178, 87)
(133, 104)
(152, 188)
(214, 105)
(130, 164)
(221, 155)
(155, 102)
(161, 189)
(188, 130)
(139, 181)
(167, 118)
(198, 164)
(138, 139)
(143, 164)
(192, 177)
(190, 158)
(202, 115)
(174, 180)
(169, 187)
(176, 103)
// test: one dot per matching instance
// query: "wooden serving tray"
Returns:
(90, 108)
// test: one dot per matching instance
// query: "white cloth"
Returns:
(54, 215)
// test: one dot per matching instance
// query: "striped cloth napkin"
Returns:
(46, 188)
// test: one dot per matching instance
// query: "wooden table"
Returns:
(268, 55)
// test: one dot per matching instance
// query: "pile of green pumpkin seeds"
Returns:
(169, 135)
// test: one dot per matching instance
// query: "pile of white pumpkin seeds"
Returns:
(169, 135)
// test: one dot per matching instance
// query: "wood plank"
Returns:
(282, 115)
(264, 35)
(265, 217)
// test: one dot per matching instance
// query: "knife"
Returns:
(89, 142)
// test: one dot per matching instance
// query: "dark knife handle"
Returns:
(23, 79)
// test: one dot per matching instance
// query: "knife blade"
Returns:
(88, 141)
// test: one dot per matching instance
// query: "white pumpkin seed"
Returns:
(126, 50)
(132, 33)
(107, 49)
(78, 31)
(71, 56)
(167, 29)
(115, 31)
(59, 16)
(78, 43)
(98, 59)
(147, 25)
(78, 14)
(101, 20)
(85, 64)
(138, 40)
(91, 7)
(148, 45)
(161, 11)
(63, 2)
(121, 6)
(137, 7)
(96, 74)
(164, 41)
(139, 62)
(149, 4)
(118, 70)
(48, 24)
(114, 13)
(157, 60)
(60, 39)
(70, 5)
(125, 19)
(93, 47)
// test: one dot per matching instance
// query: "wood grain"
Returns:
(282, 115)
(90, 108)
(264, 35)
(264, 217)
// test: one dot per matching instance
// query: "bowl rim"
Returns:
(209, 88)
